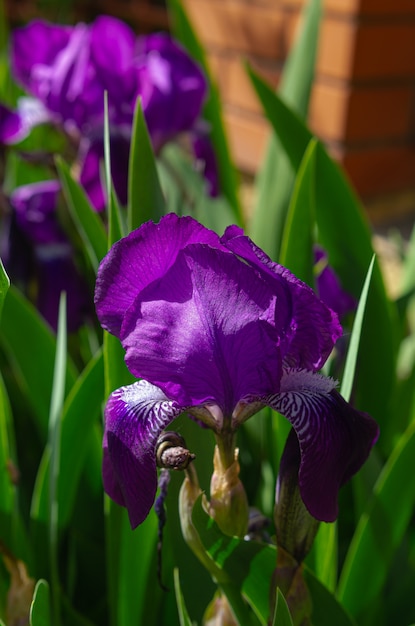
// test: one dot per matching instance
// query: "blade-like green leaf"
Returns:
(54, 443)
(282, 616)
(345, 234)
(130, 556)
(4, 285)
(325, 555)
(248, 565)
(353, 351)
(297, 241)
(80, 414)
(380, 529)
(327, 611)
(275, 179)
(145, 197)
(181, 607)
(40, 609)
(88, 222)
(185, 33)
(24, 333)
(185, 191)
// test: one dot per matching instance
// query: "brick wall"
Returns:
(363, 100)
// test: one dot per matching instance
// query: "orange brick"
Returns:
(247, 139)
(234, 84)
(344, 113)
(229, 25)
(376, 170)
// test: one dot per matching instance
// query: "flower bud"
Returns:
(295, 527)
(171, 451)
(228, 502)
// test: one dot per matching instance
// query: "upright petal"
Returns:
(139, 259)
(12, 129)
(335, 439)
(329, 288)
(134, 418)
(35, 206)
(169, 80)
(38, 43)
(307, 327)
(112, 52)
(202, 332)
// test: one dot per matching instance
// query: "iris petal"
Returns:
(335, 439)
(135, 416)
(202, 332)
(309, 329)
(142, 257)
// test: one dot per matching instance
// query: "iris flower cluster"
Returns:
(65, 71)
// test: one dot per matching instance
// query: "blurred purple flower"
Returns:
(36, 248)
(328, 286)
(213, 327)
(68, 69)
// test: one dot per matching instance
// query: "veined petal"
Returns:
(135, 416)
(202, 332)
(308, 328)
(139, 259)
(335, 439)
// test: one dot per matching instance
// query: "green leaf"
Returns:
(181, 607)
(24, 333)
(4, 285)
(340, 221)
(40, 608)
(54, 444)
(185, 191)
(185, 33)
(145, 197)
(80, 414)
(130, 555)
(297, 241)
(325, 555)
(353, 351)
(275, 179)
(380, 529)
(248, 565)
(326, 609)
(282, 616)
(88, 222)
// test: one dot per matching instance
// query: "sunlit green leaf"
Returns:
(24, 334)
(185, 33)
(54, 443)
(181, 607)
(145, 197)
(4, 285)
(344, 232)
(282, 615)
(275, 179)
(297, 240)
(353, 351)
(185, 191)
(40, 608)
(88, 222)
(80, 415)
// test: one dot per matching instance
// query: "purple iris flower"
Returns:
(214, 328)
(68, 69)
(37, 248)
(328, 286)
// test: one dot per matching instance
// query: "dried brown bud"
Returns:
(171, 452)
